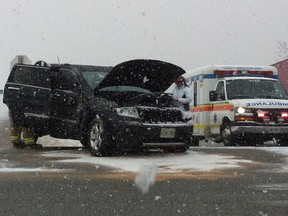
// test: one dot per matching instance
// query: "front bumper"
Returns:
(132, 134)
(255, 128)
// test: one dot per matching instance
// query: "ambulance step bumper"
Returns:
(260, 129)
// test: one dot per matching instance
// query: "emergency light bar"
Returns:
(222, 73)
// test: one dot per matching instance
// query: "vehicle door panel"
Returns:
(27, 96)
(66, 106)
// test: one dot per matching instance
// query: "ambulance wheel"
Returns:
(194, 141)
(97, 138)
(282, 142)
(247, 140)
(226, 134)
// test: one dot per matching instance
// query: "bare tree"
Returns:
(282, 50)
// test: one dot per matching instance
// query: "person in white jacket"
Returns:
(182, 93)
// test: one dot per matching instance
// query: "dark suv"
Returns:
(106, 108)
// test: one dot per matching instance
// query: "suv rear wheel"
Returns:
(97, 138)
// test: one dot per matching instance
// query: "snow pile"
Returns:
(48, 141)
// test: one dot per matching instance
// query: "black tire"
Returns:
(194, 141)
(282, 141)
(226, 134)
(97, 138)
(247, 140)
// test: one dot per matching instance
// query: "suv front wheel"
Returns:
(97, 140)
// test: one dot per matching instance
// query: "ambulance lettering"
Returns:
(267, 103)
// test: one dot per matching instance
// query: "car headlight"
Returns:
(243, 111)
(127, 111)
(243, 114)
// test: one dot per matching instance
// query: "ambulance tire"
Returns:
(194, 141)
(282, 142)
(226, 134)
(247, 140)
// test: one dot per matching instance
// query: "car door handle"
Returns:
(14, 88)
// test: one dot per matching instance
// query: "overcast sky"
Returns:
(189, 33)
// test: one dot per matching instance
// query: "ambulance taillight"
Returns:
(262, 114)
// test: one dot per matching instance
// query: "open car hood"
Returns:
(152, 75)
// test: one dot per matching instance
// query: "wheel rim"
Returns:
(96, 136)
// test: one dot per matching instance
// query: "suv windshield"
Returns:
(125, 89)
(255, 88)
(93, 78)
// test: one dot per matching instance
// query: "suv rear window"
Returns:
(31, 76)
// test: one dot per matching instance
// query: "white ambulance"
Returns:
(238, 105)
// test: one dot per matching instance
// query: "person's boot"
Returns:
(29, 139)
(15, 137)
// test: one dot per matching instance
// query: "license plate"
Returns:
(167, 133)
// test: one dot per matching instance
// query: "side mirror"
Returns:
(212, 96)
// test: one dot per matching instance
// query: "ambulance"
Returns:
(238, 105)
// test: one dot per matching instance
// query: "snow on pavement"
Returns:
(8, 167)
(166, 163)
(276, 150)
(279, 151)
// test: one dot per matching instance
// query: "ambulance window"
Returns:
(220, 91)
(195, 93)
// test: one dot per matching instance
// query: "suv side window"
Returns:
(66, 80)
(31, 76)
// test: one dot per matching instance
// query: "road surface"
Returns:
(203, 181)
